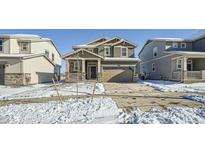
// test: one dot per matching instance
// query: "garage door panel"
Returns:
(117, 74)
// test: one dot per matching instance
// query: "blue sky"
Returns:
(66, 38)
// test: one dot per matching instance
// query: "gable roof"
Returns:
(31, 38)
(89, 43)
(163, 39)
(123, 40)
(79, 50)
(107, 41)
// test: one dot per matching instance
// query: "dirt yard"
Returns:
(128, 96)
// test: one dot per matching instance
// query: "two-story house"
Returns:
(28, 59)
(174, 59)
(104, 59)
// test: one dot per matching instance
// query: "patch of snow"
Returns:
(170, 86)
(172, 115)
(47, 90)
(196, 98)
(71, 111)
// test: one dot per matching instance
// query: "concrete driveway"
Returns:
(129, 96)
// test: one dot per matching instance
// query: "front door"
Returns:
(189, 65)
(2, 70)
(93, 72)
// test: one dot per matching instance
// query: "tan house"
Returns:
(27, 59)
(108, 60)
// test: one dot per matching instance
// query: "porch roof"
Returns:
(188, 53)
(79, 50)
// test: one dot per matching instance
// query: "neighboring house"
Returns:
(27, 59)
(174, 59)
(103, 60)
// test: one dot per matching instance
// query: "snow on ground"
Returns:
(196, 98)
(47, 90)
(71, 111)
(172, 115)
(170, 86)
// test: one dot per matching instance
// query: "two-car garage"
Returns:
(117, 74)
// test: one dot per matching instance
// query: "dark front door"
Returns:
(93, 72)
(2, 70)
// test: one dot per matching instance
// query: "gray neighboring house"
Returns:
(28, 59)
(104, 59)
(175, 59)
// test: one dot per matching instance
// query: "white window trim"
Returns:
(178, 64)
(155, 50)
(106, 47)
(47, 53)
(2, 45)
(174, 46)
(74, 65)
(184, 45)
(153, 64)
(26, 47)
(53, 56)
(126, 51)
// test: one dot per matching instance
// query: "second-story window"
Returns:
(174, 45)
(1, 45)
(53, 57)
(155, 51)
(124, 51)
(107, 51)
(183, 45)
(47, 53)
(24, 46)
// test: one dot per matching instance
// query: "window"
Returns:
(107, 51)
(175, 45)
(47, 53)
(155, 51)
(75, 66)
(24, 46)
(1, 45)
(183, 45)
(53, 57)
(179, 64)
(124, 51)
(153, 67)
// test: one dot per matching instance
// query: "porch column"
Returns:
(99, 70)
(184, 68)
(67, 70)
(83, 69)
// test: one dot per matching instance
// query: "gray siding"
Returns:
(188, 46)
(147, 53)
(199, 45)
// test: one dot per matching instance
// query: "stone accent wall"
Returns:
(72, 77)
(17, 79)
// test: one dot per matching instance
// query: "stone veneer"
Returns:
(17, 79)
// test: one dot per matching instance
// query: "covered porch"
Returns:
(83, 65)
(189, 68)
